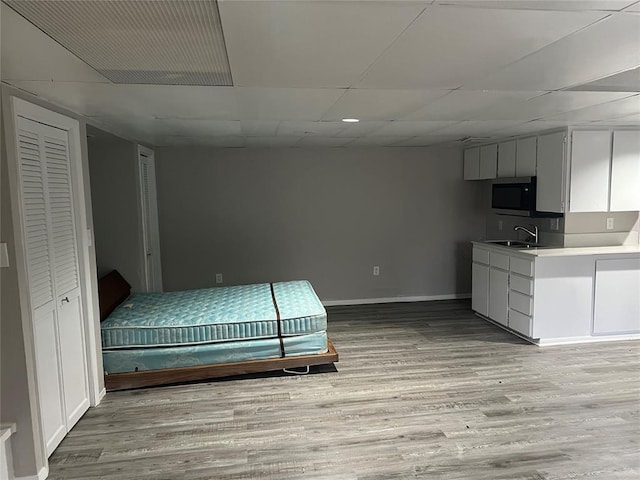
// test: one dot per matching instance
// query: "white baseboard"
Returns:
(367, 301)
(43, 473)
(102, 393)
(573, 340)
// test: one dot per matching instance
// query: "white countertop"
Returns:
(566, 251)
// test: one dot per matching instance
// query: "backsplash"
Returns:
(572, 230)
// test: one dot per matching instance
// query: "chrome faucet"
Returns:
(534, 233)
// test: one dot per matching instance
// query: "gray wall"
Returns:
(326, 215)
(115, 198)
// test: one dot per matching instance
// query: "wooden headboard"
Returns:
(112, 291)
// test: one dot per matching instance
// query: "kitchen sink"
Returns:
(513, 243)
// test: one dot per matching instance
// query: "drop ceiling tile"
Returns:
(300, 129)
(446, 46)
(377, 141)
(285, 103)
(604, 111)
(426, 141)
(310, 43)
(581, 5)
(180, 101)
(474, 128)
(381, 104)
(529, 127)
(468, 104)
(362, 128)
(47, 59)
(323, 141)
(550, 104)
(196, 128)
(411, 128)
(168, 42)
(195, 141)
(271, 141)
(605, 48)
(259, 128)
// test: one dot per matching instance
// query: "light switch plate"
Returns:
(4, 255)
(610, 225)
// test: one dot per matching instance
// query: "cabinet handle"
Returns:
(65, 300)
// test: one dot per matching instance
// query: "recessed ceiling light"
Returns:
(351, 120)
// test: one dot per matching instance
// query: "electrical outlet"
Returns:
(376, 271)
(554, 224)
(610, 223)
(218, 278)
(500, 225)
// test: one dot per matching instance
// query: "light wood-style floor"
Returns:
(423, 390)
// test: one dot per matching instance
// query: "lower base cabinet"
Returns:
(557, 297)
(499, 295)
(617, 310)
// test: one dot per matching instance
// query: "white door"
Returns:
(50, 240)
(150, 231)
(590, 162)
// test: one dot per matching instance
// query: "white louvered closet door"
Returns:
(53, 275)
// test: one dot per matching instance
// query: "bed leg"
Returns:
(297, 372)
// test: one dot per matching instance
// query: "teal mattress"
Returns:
(214, 315)
(141, 359)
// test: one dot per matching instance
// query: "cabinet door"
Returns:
(488, 162)
(617, 301)
(551, 166)
(507, 159)
(499, 295)
(625, 171)
(526, 150)
(480, 289)
(472, 164)
(590, 159)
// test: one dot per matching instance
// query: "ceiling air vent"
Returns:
(163, 42)
(474, 139)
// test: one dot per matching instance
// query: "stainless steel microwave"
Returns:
(514, 196)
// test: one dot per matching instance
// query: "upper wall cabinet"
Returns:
(526, 151)
(605, 171)
(590, 161)
(625, 171)
(481, 163)
(472, 164)
(551, 172)
(488, 161)
(507, 159)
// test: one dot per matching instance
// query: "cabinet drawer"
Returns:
(522, 266)
(480, 255)
(520, 302)
(499, 260)
(522, 284)
(520, 323)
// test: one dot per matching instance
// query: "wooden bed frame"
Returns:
(150, 378)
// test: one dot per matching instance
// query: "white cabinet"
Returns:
(480, 288)
(590, 160)
(526, 151)
(488, 161)
(507, 159)
(472, 164)
(498, 295)
(551, 166)
(617, 289)
(625, 171)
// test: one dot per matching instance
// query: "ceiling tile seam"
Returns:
(386, 49)
(62, 46)
(596, 79)
(497, 70)
(629, 6)
(551, 117)
(322, 118)
(528, 9)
